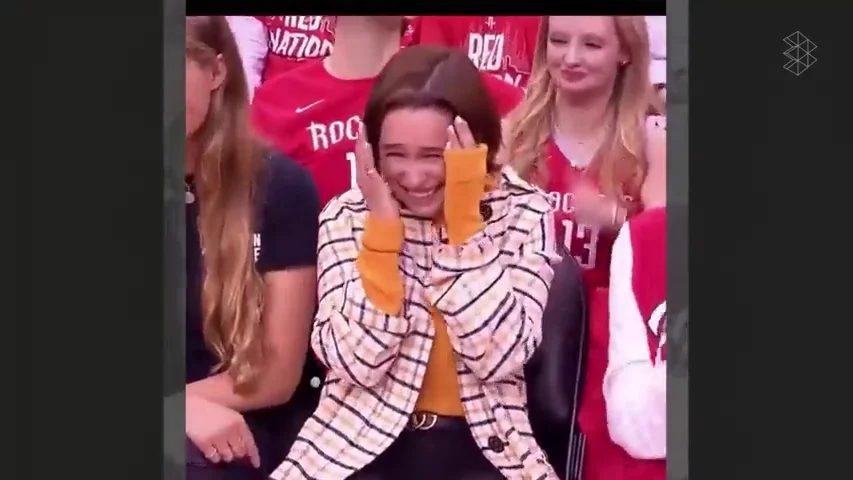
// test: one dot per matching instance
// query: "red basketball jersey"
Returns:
(589, 245)
(314, 118)
(502, 46)
(292, 39)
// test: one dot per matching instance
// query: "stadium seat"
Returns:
(553, 374)
(303, 403)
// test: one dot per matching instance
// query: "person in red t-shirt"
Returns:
(312, 112)
(584, 135)
(293, 39)
(502, 46)
(271, 45)
(635, 380)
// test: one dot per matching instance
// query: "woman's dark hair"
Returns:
(432, 76)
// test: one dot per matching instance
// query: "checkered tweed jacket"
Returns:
(491, 292)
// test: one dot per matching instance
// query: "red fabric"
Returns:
(292, 39)
(604, 460)
(411, 32)
(505, 96)
(590, 246)
(592, 415)
(502, 45)
(314, 117)
(648, 245)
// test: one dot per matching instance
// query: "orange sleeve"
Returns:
(464, 187)
(377, 262)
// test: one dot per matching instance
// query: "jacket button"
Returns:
(485, 211)
(496, 444)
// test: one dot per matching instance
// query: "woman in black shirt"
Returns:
(251, 270)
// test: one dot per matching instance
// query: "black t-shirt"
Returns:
(286, 237)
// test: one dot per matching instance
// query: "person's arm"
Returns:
(287, 261)
(494, 313)
(634, 387)
(653, 192)
(251, 37)
(360, 324)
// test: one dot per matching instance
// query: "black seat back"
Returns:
(553, 374)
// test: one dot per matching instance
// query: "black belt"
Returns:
(423, 421)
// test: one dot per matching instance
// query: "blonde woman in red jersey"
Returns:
(583, 130)
(583, 134)
(312, 112)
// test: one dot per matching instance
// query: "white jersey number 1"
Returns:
(352, 166)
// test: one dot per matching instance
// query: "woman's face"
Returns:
(201, 83)
(583, 54)
(411, 157)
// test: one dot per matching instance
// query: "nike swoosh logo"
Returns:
(302, 109)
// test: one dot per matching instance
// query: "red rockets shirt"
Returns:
(292, 39)
(501, 45)
(589, 245)
(314, 118)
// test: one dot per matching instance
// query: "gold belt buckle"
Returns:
(422, 421)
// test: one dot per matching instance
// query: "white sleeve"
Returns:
(251, 37)
(634, 388)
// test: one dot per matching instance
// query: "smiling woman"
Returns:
(407, 124)
(426, 349)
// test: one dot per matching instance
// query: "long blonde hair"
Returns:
(226, 180)
(619, 166)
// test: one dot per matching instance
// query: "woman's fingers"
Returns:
(363, 152)
(249, 446)
(464, 136)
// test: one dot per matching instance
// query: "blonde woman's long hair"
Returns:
(226, 179)
(619, 166)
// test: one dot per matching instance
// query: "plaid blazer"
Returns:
(491, 292)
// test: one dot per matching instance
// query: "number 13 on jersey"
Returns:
(581, 241)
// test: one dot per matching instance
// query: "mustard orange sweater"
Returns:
(378, 261)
